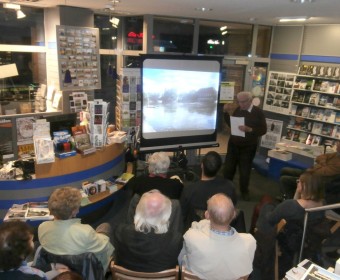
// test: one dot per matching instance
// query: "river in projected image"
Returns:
(186, 114)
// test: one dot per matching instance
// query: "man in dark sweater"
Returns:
(242, 149)
(195, 196)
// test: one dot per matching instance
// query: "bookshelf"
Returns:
(314, 103)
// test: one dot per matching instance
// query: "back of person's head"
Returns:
(159, 163)
(64, 203)
(68, 275)
(211, 164)
(153, 211)
(312, 186)
(16, 243)
(220, 210)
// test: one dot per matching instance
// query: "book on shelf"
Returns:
(333, 87)
(303, 69)
(314, 98)
(307, 125)
(301, 97)
(312, 114)
(336, 73)
(322, 72)
(82, 140)
(336, 132)
(305, 112)
(303, 137)
(327, 129)
(29, 211)
(319, 114)
(337, 118)
(124, 178)
(336, 102)
(299, 111)
(329, 115)
(316, 140)
(309, 139)
(317, 128)
(307, 97)
(295, 96)
(324, 86)
(296, 136)
(293, 109)
(309, 70)
(329, 71)
(323, 100)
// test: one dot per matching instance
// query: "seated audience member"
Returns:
(309, 194)
(194, 196)
(327, 166)
(68, 275)
(65, 235)
(148, 245)
(16, 244)
(213, 249)
(158, 165)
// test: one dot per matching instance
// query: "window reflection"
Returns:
(24, 31)
(172, 35)
(107, 33)
(133, 33)
(233, 39)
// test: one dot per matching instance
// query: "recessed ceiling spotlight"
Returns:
(203, 9)
(302, 1)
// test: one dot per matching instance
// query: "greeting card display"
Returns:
(78, 56)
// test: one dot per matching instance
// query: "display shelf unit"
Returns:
(315, 108)
(314, 103)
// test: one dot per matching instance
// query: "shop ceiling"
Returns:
(267, 12)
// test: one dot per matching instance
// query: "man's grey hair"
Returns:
(246, 94)
(153, 212)
(159, 163)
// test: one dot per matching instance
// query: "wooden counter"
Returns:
(105, 163)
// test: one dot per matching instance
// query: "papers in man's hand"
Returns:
(235, 122)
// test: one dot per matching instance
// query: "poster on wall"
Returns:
(259, 75)
(227, 91)
(279, 92)
(273, 135)
(78, 56)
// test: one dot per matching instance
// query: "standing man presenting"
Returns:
(242, 149)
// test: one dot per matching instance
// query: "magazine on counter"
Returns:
(29, 211)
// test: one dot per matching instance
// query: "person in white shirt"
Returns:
(213, 249)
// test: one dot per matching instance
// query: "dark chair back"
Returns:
(85, 264)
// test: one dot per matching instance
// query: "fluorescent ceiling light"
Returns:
(224, 32)
(292, 19)
(223, 28)
(11, 6)
(20, 14)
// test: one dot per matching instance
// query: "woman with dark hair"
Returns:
(16, 243)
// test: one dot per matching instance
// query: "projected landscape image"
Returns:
(179, 103)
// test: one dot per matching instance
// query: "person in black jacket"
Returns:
(158, 165)
(195, 196)
(242, 149)
(149, 244)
